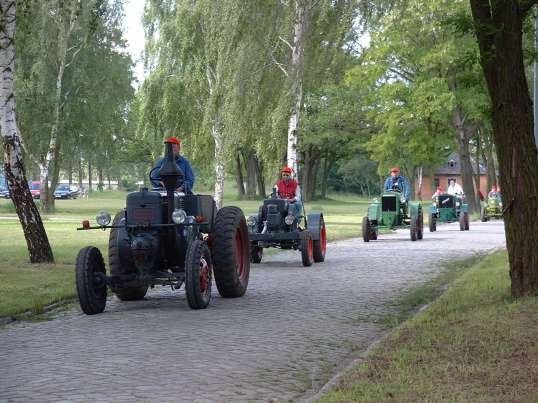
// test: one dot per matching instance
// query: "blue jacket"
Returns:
(402, 183)
(185, 166)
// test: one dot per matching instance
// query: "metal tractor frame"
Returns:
(448, 208)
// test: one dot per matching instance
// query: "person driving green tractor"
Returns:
(397, 183)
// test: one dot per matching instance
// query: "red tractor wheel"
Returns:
(230, 251)
(307, 248)
(198, 275)
(320, 246)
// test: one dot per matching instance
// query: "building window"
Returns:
(451, 163)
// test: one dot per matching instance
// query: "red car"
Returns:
(35, 189)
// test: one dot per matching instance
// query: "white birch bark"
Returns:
(296, 77)
(220, 172)
(29, 217)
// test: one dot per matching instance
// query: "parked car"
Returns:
(35, 189)
(66, 192)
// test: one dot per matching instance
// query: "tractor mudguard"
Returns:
(314, 225)
(374, 212)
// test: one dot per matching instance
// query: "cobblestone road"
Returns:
(283, 340)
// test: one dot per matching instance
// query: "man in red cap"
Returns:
(288, 188)
(395, 181)
(187, 183)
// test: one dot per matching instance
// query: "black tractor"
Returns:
(166, 238)
(277, 225)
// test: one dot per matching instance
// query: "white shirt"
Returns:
(455, 190)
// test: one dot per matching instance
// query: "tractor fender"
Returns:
(374, 212)
(414, 208)
(433, 209)
(314, 225)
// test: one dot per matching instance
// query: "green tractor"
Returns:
(449, 208)
(492, 208)
(393, 211)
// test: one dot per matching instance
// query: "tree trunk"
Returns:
(239, 176)
(325, 176)
(90, 177)
(219, 165)
(251, 174)
(259, 178)
(296, 78)
(477, 162)
(462, 138)
(70, 173)
(101, 184)
(34, 232)
(419, 188)
(80, 171)
(499, 27)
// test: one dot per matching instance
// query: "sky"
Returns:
(134, 33)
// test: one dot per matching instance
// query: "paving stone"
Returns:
(285, 338)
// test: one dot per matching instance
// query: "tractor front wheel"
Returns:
(462, 221)
(414, 228)
(366, 229)
(483, 216)
(432, 223)
(307, 248)
(420, 228)
(320, 246)
(198, 275)
(466, 221)
(256, 254)
(90, 280)
(230, 250)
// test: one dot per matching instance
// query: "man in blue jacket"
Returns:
(395, 181)
(183, 185)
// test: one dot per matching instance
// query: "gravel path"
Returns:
(290, 333)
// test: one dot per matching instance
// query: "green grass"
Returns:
(472, 344)
(26, 287)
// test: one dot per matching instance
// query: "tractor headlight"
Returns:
(457, 203)
(501, 204)
(251, 221)
(179, 216)
(402, 199)
(289, 219)
(103, 218)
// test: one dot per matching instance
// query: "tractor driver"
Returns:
(183, 185)
(455, 189)
(395, 181)
(288, 188)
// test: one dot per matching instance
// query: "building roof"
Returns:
(453, 166)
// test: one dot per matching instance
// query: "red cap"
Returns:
(173, 140)
(395, 170)
(287, 170)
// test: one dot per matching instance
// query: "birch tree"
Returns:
(30, 219)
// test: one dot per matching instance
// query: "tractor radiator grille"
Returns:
(446, 201)
(388, 203)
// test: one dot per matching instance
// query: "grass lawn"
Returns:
(26, 287)
(472, 344)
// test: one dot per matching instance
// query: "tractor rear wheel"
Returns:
(462, 221)
(198, 275)
(366, 229)
(230, 250)
(307, 248)
(122, 264)
(320, 246)
(466, 219)
(90, 280)
(256, 254)
(432, 223)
